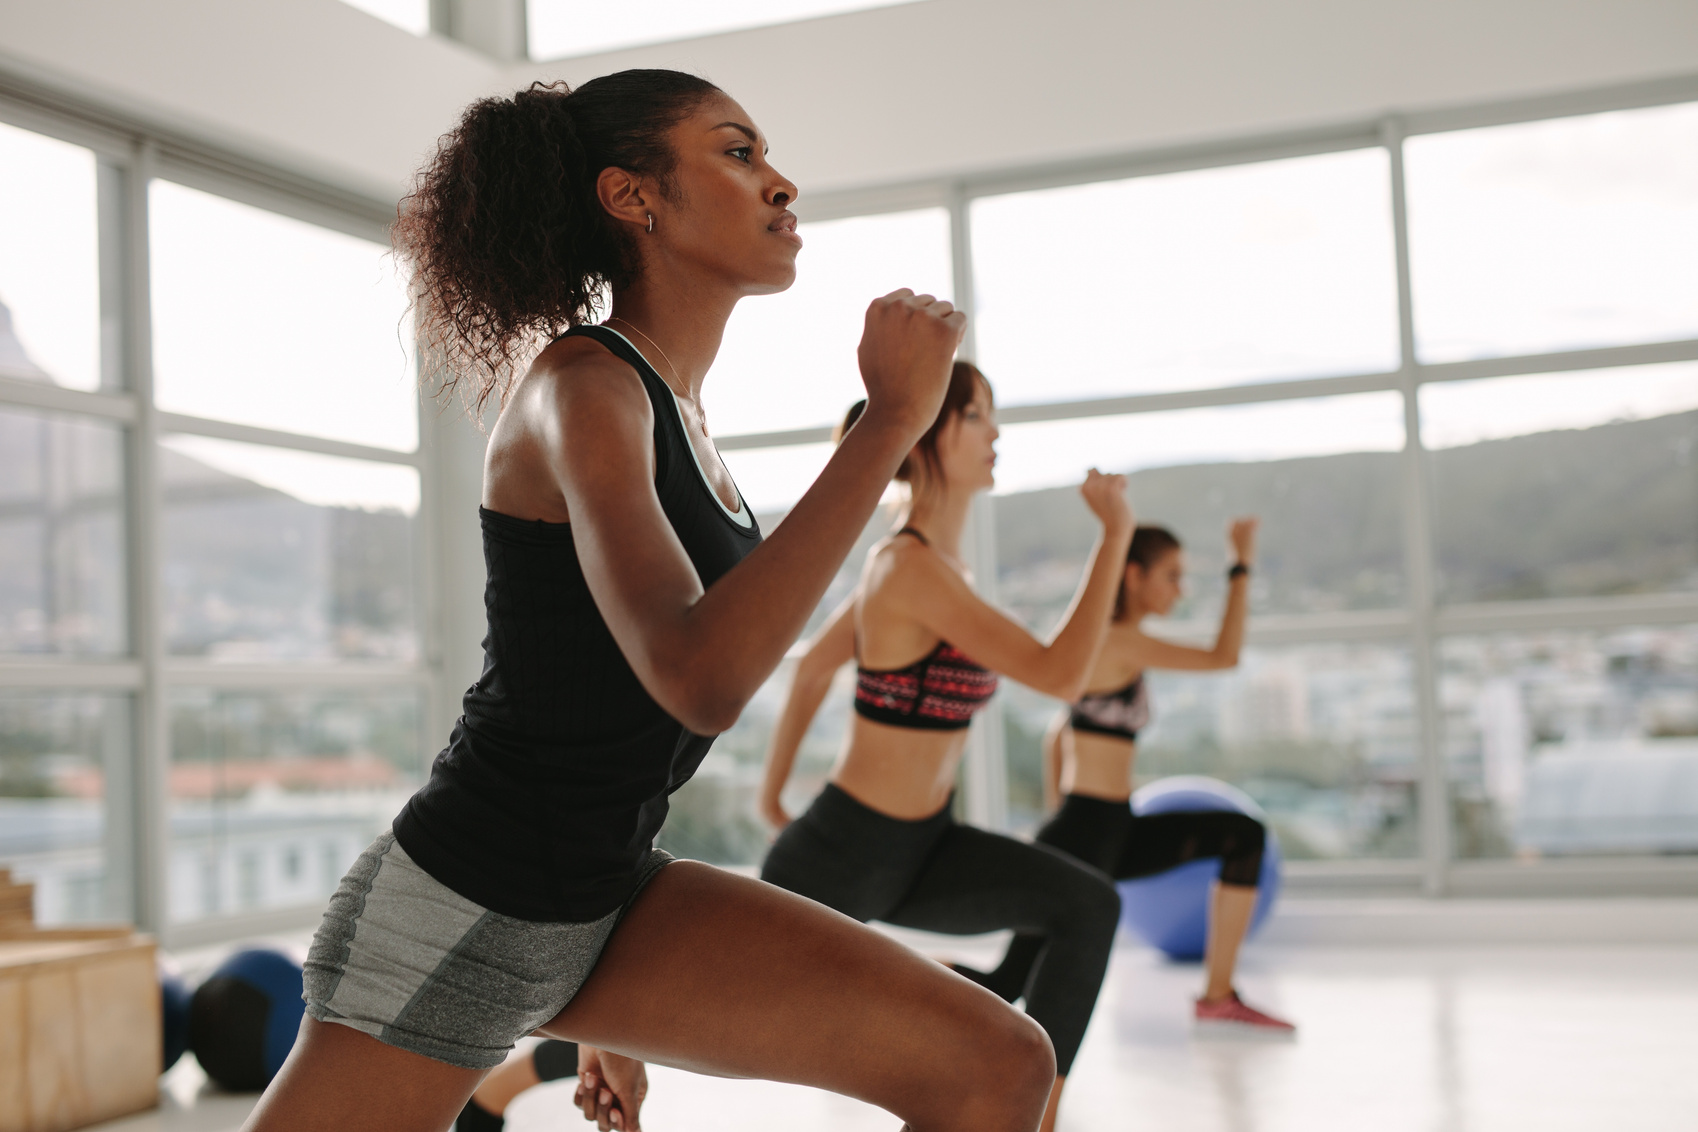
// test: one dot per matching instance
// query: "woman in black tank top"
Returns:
(633, 611)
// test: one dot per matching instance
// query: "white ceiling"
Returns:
(894, 94)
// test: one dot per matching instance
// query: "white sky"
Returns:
(1454, 413)
(1555, 235)
(1190, 280)
(560, 28)
(788, 360)
(1525, 238)
(50, 255)
(329, 481)
(269, 321)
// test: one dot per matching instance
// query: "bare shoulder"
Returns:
(1121, 659)
(578, 417)
(581, 374)
(903, 564)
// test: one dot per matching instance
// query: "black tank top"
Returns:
(557, 777)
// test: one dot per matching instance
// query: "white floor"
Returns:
(1434, 1039)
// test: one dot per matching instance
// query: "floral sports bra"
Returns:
(939, 692)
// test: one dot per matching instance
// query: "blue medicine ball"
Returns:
(174, 1010)
(1170, 911)
(243, 1019)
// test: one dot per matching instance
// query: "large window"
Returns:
(1474, 613)
(295, 554)
(212, 606)
(1470, 639)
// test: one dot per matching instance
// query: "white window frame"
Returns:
(134, 152)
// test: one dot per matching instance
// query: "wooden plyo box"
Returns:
(80, 1026)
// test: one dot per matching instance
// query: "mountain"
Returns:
(1571, 513)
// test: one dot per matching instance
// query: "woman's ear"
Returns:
(621, 196)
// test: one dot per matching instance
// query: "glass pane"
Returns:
(788, 360)
(269, 321)
(57, 752)
(274, 793)
(1188, 280)
(1322, 736)
(274, 554)
(1321, 474)
(49, 261)
(1555, 235)
(773, 479)
(1603, 461)
(1572, 741)
(558, 28)
(62, 586)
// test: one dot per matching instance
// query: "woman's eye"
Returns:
(743, 153)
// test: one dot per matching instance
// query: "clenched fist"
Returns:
(905, 353)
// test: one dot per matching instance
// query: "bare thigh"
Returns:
(338, 1079)
(729, 976)
(721, 974)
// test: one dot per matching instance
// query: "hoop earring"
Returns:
(650, 228)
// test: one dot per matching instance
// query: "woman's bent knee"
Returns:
(1015, 1075)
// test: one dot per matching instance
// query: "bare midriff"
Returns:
(1100, 766)
(901, 772)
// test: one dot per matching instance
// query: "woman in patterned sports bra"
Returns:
(1088, 755)
(880, 843)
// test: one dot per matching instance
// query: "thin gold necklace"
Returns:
(676, 379)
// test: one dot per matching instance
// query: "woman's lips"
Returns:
(785, 226)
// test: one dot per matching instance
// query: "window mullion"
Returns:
(1419, 565)
(150, 753)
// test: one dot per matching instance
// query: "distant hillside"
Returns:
(1579, 512)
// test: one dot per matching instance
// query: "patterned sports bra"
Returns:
(1120, 713)
(939, 692)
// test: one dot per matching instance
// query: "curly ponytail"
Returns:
(506, 239)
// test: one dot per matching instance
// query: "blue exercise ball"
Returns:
(174, 999)
(243, 1019)
(1170, 911)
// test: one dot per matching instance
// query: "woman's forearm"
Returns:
(808, 689)
(738, 631)
(1069, 656)
(1230, 639)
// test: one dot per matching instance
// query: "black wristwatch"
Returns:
(1238, 570)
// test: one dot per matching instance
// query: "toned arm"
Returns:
(830, 650)
(702, 653)
(923, 587)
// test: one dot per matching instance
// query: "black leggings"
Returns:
(939, 876)
(1107, 835)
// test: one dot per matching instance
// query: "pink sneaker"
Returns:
(1231, 1016)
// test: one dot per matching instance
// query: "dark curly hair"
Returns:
(506, 239)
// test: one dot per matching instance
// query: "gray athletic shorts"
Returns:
(418, 966)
